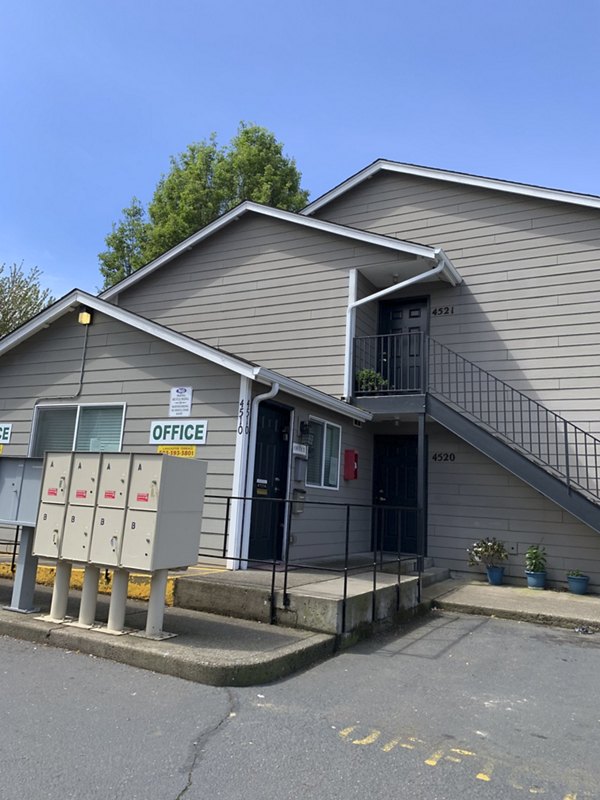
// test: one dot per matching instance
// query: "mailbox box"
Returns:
(20, 484)
(135, 511)
(164, 512)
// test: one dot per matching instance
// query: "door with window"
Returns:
(267, 525)
(401, 344)
(395, 499)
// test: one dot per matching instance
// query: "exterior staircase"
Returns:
(557, 458)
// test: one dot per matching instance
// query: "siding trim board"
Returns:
(412, 248)
(449, 176)
(237, 365)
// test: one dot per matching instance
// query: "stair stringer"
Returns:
(515, 462)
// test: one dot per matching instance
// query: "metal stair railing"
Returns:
(552, 441)
(413, 362)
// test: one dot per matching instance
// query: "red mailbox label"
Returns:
(52, 492)
(142, 498)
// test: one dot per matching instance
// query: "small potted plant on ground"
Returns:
(578, 582)
(490, 553)
(535, 566)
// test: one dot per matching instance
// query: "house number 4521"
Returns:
(442, 311)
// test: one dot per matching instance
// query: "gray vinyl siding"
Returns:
(473, 497)
(529, 312)
(366, 316)
(124, 365)
(320, 531)
(529, 308)
(267, 290)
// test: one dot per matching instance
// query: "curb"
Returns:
(183, 657)
(538, 618)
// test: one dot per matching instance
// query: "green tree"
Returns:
(186, 199)
(126, 244)
(204, 181)
(21, 296)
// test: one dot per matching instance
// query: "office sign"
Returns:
(166, 431)
(5, 432)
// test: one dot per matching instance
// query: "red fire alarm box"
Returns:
(350, 465)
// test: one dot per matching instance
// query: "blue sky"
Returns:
(95, 95)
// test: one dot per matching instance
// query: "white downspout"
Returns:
(250, 471)
(354, 304)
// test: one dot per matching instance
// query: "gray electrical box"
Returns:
(20, 484)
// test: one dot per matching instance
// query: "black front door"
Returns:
(395, 481)
(270, 482)
(401, 329)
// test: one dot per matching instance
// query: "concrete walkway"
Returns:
(223, 651)
(560, 608)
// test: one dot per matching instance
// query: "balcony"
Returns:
(390, 372)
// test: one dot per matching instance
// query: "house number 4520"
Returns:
(443, 457)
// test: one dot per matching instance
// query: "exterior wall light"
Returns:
(85, 317)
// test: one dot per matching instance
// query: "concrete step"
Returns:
(434, 575)
(314, 602)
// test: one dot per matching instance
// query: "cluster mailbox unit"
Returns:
(125, 511)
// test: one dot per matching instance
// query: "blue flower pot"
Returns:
(578, 584)
(495, 575)
(536, 580)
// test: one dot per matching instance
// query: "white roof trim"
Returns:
(287, 216)
(312, 395)
(556, 195)
(77, 297)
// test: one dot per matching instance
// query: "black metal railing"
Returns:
(560, 446)
(389, 364)
(353, 542)
(416, 363)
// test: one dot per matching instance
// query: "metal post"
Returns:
(346, 555)
(89, 596)
(24, 585)
(421, 489)
(60, 594)
(156, 603)
(118, 601)
(567, 467)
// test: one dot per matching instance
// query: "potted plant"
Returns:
(490, 553)
(367, 380)
(535, 566)
(578, 582)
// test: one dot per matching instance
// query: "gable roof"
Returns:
(450, 176)
(244, 368)
(434, 254)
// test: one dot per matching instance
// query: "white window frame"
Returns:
(321, 485)
(78, 406)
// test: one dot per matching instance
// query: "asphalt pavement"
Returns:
(223, 651)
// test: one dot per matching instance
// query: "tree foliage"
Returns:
(204, 181)
(21, 296)
(127, 243)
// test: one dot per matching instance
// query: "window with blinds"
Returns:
(94, 429)
(323, 466)
(54, 430)
(99, 428)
